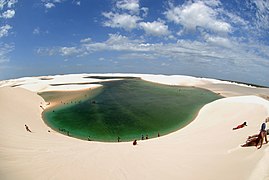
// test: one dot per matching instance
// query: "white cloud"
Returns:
(49, 5)
(5, 6)
(68, 51)
(115, 42)
(78, 3)
(144, 11)
(197, 15)
(125, 21)
(86, 40)
(262, 13)
(219, 41)
(2, 4)
(155, 28)
(215, 49)
(7, 3)
(11, 3)
(135, 55)
(131, 5)
(233, 18)
(36, 31)
(8, 14)
(4, 30)
(212, 3)
(5, 49)
(47, 51)
(211, 50)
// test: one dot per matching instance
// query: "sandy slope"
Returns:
(205, 149)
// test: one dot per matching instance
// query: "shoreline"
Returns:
(80, 95)
(61, 100)
(190, 153)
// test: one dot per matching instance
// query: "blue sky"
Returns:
(210, 38)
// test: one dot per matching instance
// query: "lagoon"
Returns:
(126, 108)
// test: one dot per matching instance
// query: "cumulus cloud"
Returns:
(8, 14)
(4, 30)
(7, 3)
(155, 28)
(5, 9)
(49, 5)
(131, 17)
(197, 15)
(130, 5)
(125, 21)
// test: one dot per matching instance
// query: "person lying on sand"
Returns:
(27, 128)
(240, 126)
(257, 139)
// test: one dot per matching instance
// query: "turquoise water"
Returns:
(128, 109)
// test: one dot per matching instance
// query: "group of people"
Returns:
(256, 139)
(143, 138)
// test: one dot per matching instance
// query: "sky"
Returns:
(203, 38)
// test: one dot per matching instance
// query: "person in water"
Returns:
(240, 126)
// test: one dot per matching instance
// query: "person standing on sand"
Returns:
(27, 128)
(264, 123)
(135, 142)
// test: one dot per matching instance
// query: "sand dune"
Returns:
(207, 148)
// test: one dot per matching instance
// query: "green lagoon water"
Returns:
(128, 109)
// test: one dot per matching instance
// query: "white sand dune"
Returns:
(207, 148)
